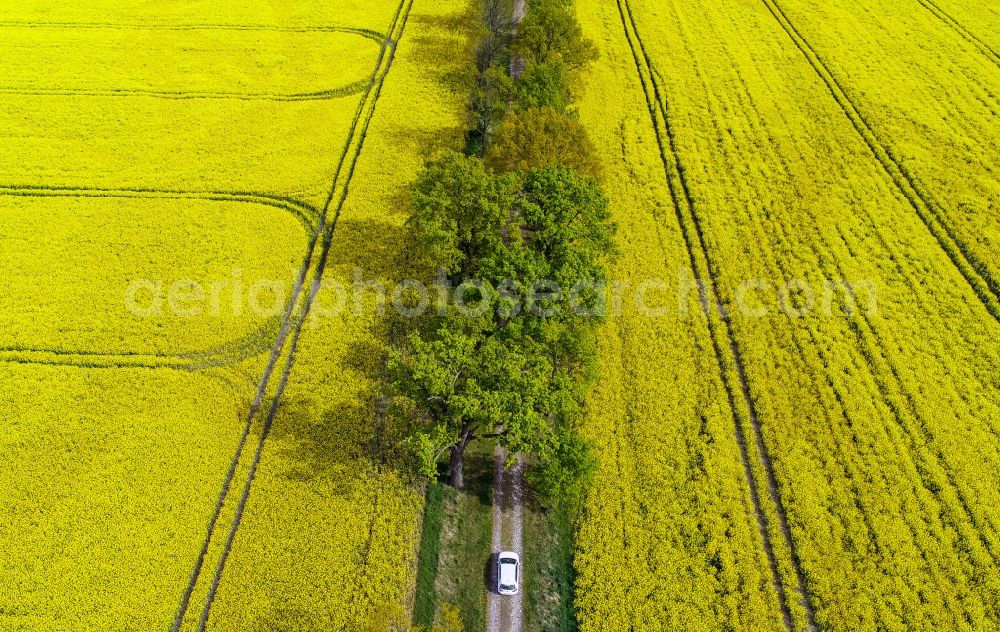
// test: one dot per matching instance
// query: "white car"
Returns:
(508, 573)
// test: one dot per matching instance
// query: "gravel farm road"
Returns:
(506, 613)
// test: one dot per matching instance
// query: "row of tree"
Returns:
(520, 225)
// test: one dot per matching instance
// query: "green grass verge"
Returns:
(425, 601)
(548, 569)
(455, 547)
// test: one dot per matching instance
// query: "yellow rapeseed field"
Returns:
(149, 149)
(667, 537)
(328, 540)
(927, 86)
(193, 437)
(795, 143)
(979, 18)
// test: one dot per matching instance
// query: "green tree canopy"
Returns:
(491, 98)
(551, 31)
(543, 137)
(460, 212)
(510, 230)
(544, 85)
(514, 371)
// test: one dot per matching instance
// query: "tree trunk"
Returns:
(457, 462)
(457, 465)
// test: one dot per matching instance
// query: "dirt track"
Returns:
(506, 614)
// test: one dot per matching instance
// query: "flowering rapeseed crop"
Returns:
(876, 466)
(157, 144)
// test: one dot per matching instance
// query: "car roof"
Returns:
(508, 576)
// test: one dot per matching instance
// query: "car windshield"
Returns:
(506, 587)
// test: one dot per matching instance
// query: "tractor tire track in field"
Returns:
(975, 272)
(867, 335)
(917, 459)
(322, 95)
(844, 457)
(138, 26)
(307, 214)
(378, 81)
(828, 261)
(319, 95)
(885, 370)
(919, 201)
(253, 344)
(227, 353)
(278, 346)
(276, 351)
(881, 365)
(723, 341)
(965, 34)
(97, 360)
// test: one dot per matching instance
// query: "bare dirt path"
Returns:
(517, 64)
(506, 614)
(520, 10)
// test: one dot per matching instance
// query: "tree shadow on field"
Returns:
(437, 41)
(321, 442)
(344, 441)
(428, 142)
(283, 618)
(442, 48)
(374, 247)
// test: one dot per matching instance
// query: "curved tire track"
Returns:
(723, 340)
(227, 353)
(251, 345)
(307, 214)
(321, 95)
(96, 360)
(350, 89)
(138, 26)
